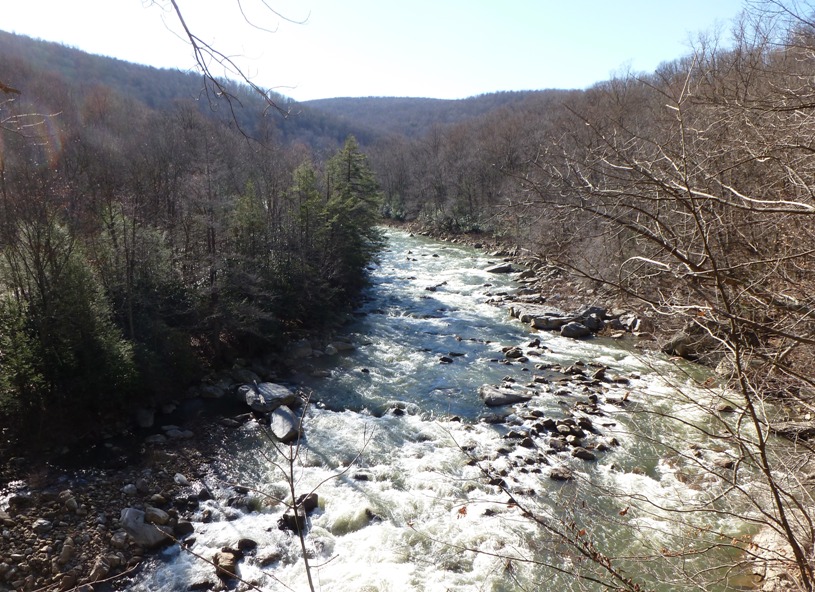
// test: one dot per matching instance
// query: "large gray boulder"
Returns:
(155, 515)
(593, 323)
(548, 323)
(575, 330)
(547, 318)
(144, 534)
(266, 396)
(496, 397)
(500, 268)
(284, 425)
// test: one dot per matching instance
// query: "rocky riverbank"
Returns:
(550, 299)
(85, 517)
(64, 529)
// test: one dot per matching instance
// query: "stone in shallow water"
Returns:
(496, 397)
(284, 425)
(560, 473)
(226, 562)
(144, 534)
(583, 454)
(575, 330)
(500, 268)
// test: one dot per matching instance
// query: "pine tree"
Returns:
(353, 201)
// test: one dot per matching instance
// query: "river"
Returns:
(401, 451)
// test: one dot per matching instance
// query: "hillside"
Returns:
(50, 74)
(414, 117)
(38, 67)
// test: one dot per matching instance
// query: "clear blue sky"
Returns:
(429, 48)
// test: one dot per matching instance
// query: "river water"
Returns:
(401, 451)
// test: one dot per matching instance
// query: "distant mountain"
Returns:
(413, 117)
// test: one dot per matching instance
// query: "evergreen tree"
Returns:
(352, 209)
(69, 360)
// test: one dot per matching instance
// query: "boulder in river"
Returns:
(548, 323)
(343, 346)
(583, 453)
(309, 502)
(266, 396)
(496, 397)
(500, 268)
(226, 562)
(293, 521)
(561, 473)
(593, 322)
(591, 311)
(575, 330)
(144, 534)
(284, 425)
(692, 342)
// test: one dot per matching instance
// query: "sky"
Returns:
(447, 49)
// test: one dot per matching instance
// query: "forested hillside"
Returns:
(35, 64)
(147, 236)
(415, 117)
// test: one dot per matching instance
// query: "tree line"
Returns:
(141, 247)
